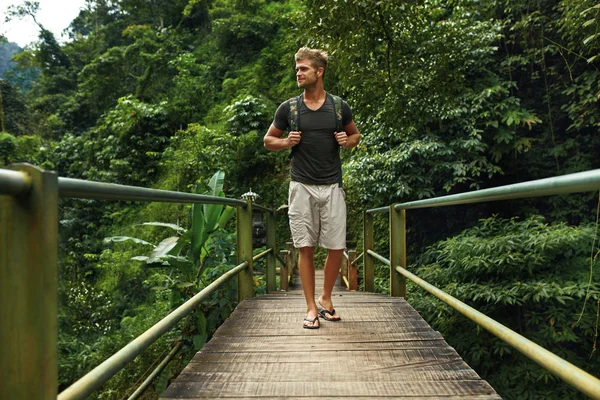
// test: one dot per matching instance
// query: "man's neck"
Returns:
(314, 94)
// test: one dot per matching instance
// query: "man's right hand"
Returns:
(293, 138)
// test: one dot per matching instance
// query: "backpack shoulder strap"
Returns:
(337, 110)
(294, 114)
(294, 117)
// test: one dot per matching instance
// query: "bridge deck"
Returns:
(382, 348)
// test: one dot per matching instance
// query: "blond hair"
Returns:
(318, 58)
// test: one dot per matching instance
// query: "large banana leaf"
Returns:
(162, 249)
(226, 215)
(172, 226)
(199, 234)
(183, 239)
(209, 218)
(213, 211)
(126, 238)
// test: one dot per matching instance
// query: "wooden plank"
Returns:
(395, 397)
(381, 337)
(324, 346)
(380, 357)
(286, 370)
(191, 375)
(324, 331)
(221, 389)
(366, 317)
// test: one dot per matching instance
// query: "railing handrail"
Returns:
(586, 181)
(82, 189)
(14, 183)
(575, 376)
(379, 210)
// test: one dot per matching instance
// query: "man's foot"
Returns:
(328, 312)
(311, 323)
(329, 315)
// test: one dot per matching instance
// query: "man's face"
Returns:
(306, 74)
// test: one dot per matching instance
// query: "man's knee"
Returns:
(306, 250)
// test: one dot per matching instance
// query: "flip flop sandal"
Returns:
(323, 313)
(311, 321)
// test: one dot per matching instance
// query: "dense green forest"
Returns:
(449, 96)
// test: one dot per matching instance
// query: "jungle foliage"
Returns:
(449, 96)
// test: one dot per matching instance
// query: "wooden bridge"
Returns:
(382, 348)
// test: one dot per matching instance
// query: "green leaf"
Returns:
(199, 341)
(200, 322)
(162, 249)
(183, 285)
(589, 22)
(589, 38)
(590, 9)
(216, 183)
(213, 211)
(226, 215)
(183, 240)
(163, 380)
(116, 239)
(197, 230)
(173, 226)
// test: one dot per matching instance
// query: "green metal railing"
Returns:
(28, 278)
(580, 182)
(28, 273)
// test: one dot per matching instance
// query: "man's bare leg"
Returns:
(307, 275)
(332, 268)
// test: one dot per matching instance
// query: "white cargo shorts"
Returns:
(317, 215)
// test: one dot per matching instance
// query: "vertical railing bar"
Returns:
(397, 251)
(28, 289)
(352, 271)
(244, 251)
(271, 243)
(368, 244)
(284, 270)
(344, 271)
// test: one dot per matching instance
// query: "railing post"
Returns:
(28, 289)
(397, 251)
(293, 267)
(244, 251)
(368, 244)
(272, 257)
(284, 270)
(344, 272)
(352, 271)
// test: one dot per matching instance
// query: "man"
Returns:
(317, 209)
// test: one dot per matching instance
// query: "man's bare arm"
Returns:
(349, 137)
(274, 142)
